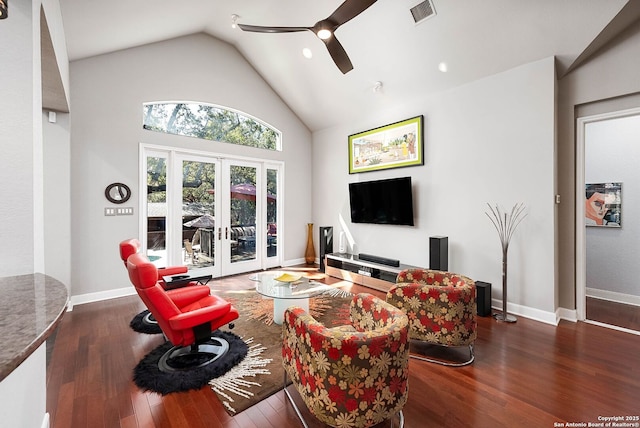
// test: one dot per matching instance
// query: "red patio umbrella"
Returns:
(247, 191)
(206, 222)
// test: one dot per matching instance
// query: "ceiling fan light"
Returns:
(324, 34)
(234, 21)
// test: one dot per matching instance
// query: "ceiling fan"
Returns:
(324, 30)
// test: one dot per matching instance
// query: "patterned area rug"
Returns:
(261, 374)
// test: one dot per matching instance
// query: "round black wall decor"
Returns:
(117, 193)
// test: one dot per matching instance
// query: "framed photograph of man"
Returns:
(603, 204)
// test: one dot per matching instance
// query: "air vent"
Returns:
(423, 11)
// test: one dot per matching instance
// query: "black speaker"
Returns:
(439, 253)
(483, 298)
(326, 243)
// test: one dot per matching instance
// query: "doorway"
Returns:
(216, 215)
(607, 243)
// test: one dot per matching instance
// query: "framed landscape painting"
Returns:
(396, 145)
(603, 204)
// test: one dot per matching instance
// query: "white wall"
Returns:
(107, 93)
(17, 138)
(488, 141)
(612, 154)
(57, 198)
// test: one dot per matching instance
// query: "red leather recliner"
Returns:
(185, 320)
(132, 246)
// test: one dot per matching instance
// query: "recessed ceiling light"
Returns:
(443, 67)
(306, 52)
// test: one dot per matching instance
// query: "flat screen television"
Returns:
(382, 201)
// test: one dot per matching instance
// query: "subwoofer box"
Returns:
(326, 244)
(483, 298)
(439, 253)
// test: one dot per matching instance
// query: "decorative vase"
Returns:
(310, 253)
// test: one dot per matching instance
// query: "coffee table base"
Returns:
(281, 305)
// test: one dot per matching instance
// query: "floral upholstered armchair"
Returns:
(349, 376)
(441, 307)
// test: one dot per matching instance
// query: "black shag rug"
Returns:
(140, 324)
(148, 377)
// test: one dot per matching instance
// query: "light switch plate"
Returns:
(124, 211)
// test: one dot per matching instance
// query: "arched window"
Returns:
(210, 122)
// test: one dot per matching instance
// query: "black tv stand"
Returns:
(359, 270)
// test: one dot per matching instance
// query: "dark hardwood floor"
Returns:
(526, 374)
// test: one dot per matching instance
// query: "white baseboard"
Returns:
(527, 312)
(567, 314)
(613, 296)
(101, 295)
(613, 327)
(537, 314)
(45, 421)
(293, 262)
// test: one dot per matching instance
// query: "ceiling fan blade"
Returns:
(259, 29)
(349, 10)
(338, 54)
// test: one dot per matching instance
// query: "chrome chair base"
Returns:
(214, 348)
(423, 357)
(149, 319)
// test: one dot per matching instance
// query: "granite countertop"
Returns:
(31, 306)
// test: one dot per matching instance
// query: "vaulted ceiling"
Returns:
(474, 38)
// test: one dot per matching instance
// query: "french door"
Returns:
(216, 215)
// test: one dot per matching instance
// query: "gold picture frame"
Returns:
(396, 145)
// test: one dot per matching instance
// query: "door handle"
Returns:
(226, 233)
(219, 234)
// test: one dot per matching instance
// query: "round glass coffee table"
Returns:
(287, 289)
